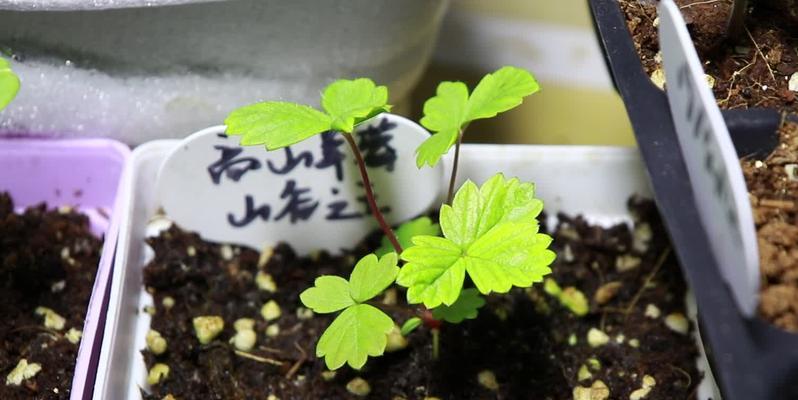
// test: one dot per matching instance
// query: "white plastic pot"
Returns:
(593, 181)
(172, 67)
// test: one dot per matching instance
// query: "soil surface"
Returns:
(47, 259)
(523, 339)
(773, 190)
(750, 71)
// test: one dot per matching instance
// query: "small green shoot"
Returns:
(360, 330)
(406, 232)
(490, 233)
(9, 84)
(410, 325)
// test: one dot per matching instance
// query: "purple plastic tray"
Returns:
(84, 174)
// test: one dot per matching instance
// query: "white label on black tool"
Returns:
(309, 195)
(712, 163)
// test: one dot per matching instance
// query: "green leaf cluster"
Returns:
(278, 124)
(406, 232)
(361, 329)
(490, 233)
(451, 109)
(9, 84)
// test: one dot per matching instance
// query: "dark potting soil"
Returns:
(533, 346)
(47, 259)
(773, 190)
(750, 71)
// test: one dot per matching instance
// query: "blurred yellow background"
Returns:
(556, 42)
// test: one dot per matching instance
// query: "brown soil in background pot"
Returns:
(773, 190)
(47, 259)
(637, 305)
(519, 347)
(752, 71)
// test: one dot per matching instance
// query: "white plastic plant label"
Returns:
(712, 163)
(309, 195)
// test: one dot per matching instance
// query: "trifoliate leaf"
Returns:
(499, 92)
(406, 232)
(434, 271)
(466, 307)
(371, 276)
(9, 84)
(276, 124)
(330, 294)
(349, 102)
(451, 109)
(490, 233)
(360, 331)
(410, 325)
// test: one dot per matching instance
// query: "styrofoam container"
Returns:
(563, 176)
(84, 174)
(183, 65)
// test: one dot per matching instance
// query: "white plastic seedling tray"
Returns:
(595, 182)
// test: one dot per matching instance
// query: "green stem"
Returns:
(375, 210)
(453, 176)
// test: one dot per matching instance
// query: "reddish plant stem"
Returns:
(453, 176)
(375, 210)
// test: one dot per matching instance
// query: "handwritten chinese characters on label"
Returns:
(309, 194)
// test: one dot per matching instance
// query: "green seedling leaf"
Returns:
(510, 254)
(410, 325)
(406, 232)
(500, 91)
(349, 102)
(371, 276)
(9, 84)
(451, 109)
(276, 124)
(434, 271)
(466, 307)
(360, 331)
(432, 149)
(443, 114)
(330, 294)
(491, 233)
